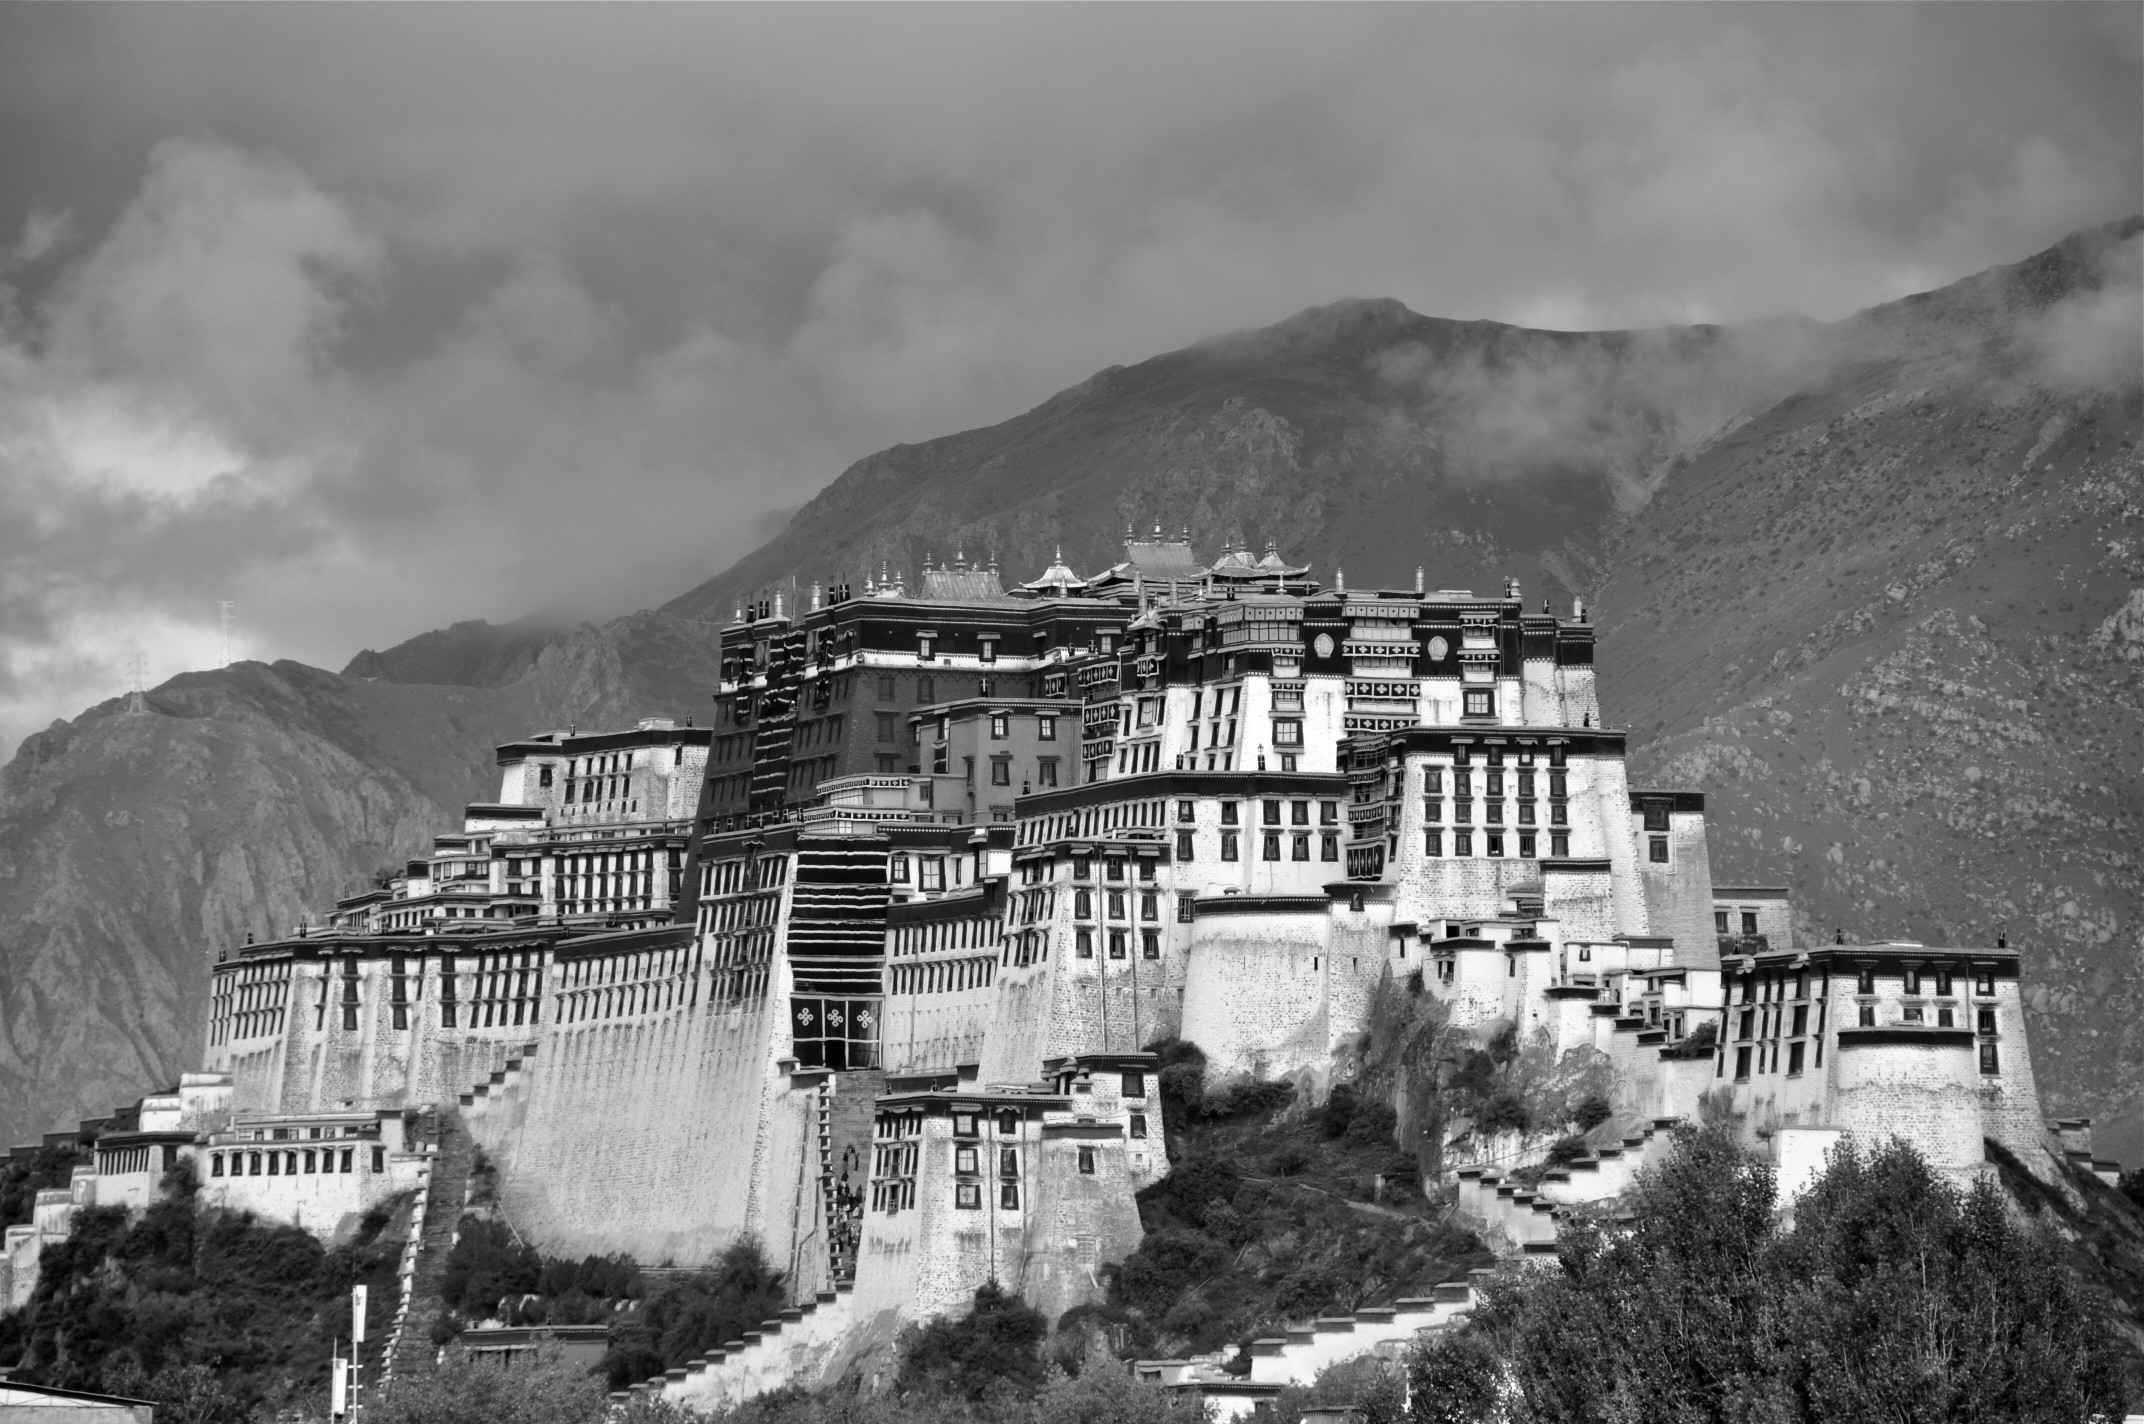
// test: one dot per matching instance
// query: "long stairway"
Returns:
(414, 1352)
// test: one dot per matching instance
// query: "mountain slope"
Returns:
(1895, 627)
(136, 844)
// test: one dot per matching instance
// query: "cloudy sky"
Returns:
(375, 318)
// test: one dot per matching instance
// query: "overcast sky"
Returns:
(371, 318)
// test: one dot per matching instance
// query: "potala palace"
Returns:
(869, 967)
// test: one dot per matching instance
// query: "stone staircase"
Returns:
(409, 1349)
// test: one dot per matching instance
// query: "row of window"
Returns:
(1119, 942)
(292, 1163)
(1525, 845)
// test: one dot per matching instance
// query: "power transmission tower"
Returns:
(226, 605)
(139, 668)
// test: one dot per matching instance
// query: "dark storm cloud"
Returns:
(376, 317)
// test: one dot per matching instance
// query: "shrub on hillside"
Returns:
(1367, 1384)
(1594, 1109)
(180, 1299)
(466, 1392)
(1168, 1265)
(686, 1317)
(22, 1178)
(487, 1265)
(995, 1347)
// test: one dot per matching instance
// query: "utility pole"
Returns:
(225, 605)
(138, 666)
(357, 1349)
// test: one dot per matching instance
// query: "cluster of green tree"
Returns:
(22, 1178)
(1271, 1212)
(687, 1315)
(492, 1274)
(1890, 1295)
(211, 1313)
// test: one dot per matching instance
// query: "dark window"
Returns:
(968, 1196)
(1943, 985)
(1868, 1016)
(925, 690)
(1187, 811)
(1432, 842)
(1741, 1064)
(379, 1159)
(1116, 944)
(1801, 1020)
(1526, 845)
(1272, 846)
(1329, 845)
(1272, 813)
(1495, 843)
(1749, 922)
(1990, 1061)
(1008, 1124)
(1985, 1019)
(1183, 845)
(1228, 845)
(1149, 905)
(401, 1015)
(1228, 813)
(1009, 1196)
(1084, 939)
(885, 727)
(1719, 922)
(1462, 843)
(1865, 982)
(887, 692)
(1086, 1161)
(1134, 1083)
(1150, 944)
(1657, 852)
(1559, 844)
(1300, 850)
(1481, 703)
(1184, 906)
(1984, 985)
(1138, 1128)
(1001, 771)
(1913, 981)
(967, 1124)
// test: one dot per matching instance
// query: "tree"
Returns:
(1894, 1296)
(995, 1346)
(1454, 1378)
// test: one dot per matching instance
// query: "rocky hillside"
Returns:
(1896, 626)
(134, 844)
(1874, 583)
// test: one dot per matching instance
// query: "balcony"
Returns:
(1745, 944)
